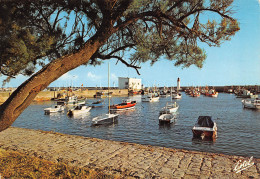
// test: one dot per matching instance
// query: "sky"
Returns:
(235, 62)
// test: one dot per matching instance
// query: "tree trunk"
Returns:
(22, 97)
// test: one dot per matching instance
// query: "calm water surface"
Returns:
(238, 128)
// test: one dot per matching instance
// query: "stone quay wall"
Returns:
(48, 95)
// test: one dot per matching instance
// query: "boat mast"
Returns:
(108, 92)
(171, 94)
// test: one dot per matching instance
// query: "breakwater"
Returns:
(128, 159)
(48, 95)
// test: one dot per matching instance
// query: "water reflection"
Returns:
(166, 126)
(203, 142)
(83, 116)
(56, 116)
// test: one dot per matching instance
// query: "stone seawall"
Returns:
(47, 95)
(128, 159)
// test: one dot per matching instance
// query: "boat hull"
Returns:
(176, 95)
(97, 104)
(75, 112)
(247, 96)
(154, 99)
(167, 110)
(53, 110)
(212, 95)
(48, 111)
(166, 119)
(76, 102)
(121, 107)
(251, 104)
(105, 119)
(204, 134)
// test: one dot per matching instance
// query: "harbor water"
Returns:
(238, 128)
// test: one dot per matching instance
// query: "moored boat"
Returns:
(74, 100)
(54, 109)
(105, 119)
(176, 95)
(212, 93)
(246, 94)
(169, 108)
(164, 93)
(251, 103)
(78, 110)
(99, 94)
(167, 118)
(150, 97)
(195, 93)
(205, 128)
(126, 104)
(98, 103)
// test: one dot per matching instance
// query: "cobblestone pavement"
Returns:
(129, 159)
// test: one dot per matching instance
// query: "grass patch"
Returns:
(17, 165)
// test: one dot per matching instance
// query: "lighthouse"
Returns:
(178, 84)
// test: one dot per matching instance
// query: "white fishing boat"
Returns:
(105, 118)
(150, 97)
(74, 100)
(54, 109)
(176, 95)
(167, 118)
(78, 110)
(169, 108)
(251, 103)
(164, 93)
(246, 94)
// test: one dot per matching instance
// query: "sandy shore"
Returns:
(126, 158)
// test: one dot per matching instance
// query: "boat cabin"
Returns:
(205, 121)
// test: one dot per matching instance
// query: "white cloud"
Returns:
(93, 77)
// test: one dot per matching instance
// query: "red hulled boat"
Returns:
(126, 104)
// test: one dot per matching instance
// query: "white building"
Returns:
(129, 83)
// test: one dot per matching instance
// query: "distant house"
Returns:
(129, 83)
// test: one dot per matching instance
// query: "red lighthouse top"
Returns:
(178, 79)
